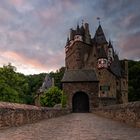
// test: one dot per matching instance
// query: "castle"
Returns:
(94, 74)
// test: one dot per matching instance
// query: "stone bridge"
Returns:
(76, 126)
(72, 126)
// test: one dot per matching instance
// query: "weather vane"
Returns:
(98, 18)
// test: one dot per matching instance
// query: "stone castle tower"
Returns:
(94, 74)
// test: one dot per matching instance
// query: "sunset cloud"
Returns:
(33, 32)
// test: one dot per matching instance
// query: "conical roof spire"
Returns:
(99, 36)
(99, 30)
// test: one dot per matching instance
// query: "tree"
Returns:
(134, 80)
(35, 81)
(16, 87)
(13, 86)
(58, 75)
(51, 97)
(63, 100)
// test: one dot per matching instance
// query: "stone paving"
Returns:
(75, 126)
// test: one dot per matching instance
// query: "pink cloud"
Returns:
(50, 16)
(5, 15)
(55, 14)
(128, 20)
(22, 6)
(32, 64)
(13, 56)
(131, 47)
(17, 2)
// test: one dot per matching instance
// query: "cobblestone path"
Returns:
(76, 126)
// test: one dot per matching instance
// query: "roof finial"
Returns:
(98, 18)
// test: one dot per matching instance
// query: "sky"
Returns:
(33, 33)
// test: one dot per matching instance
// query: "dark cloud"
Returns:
(36, 31)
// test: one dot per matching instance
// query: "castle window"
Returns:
(117, 83)
(99, 73)
(104, 88)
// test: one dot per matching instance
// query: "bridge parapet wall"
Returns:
(13, 114)
(128, 113)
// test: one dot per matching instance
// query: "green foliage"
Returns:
(63, 100)
(58, 75)
(16, 87)
(13, 86)
(134, 80)
(51, 97)
(35, 82)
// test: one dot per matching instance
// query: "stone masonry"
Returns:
(12, 114)
(86, 87)
(75, 126)
(96, 59)
(128, 113)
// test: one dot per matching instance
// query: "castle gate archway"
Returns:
(80, 102)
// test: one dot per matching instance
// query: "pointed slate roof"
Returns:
(116, 66)
(99, 36)
(110, 45)
(79, 75)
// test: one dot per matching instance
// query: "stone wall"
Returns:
(12, 114)
(90, 88)
(105, 101)
(128, 113)
(76, 54)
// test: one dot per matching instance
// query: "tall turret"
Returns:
(124, 81)
(78, 35)
(110, 53)
(72, 34)
(87, 34)
(102, 58)
(82, 30)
